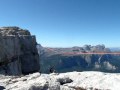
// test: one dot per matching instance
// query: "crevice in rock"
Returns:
(2, 87)
(63, 81)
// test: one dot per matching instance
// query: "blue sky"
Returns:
(65, 23)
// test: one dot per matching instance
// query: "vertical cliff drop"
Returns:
(18, 52)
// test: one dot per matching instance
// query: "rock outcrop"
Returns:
(18, 52)
(64, 81)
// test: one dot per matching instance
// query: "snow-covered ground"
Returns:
(89, 80)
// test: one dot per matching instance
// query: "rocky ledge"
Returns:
(64, 81)
(18, 52)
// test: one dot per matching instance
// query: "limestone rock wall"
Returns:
(18, 52)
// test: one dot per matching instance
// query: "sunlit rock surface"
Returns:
(64, 81)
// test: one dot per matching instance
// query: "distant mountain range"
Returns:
(68, 59)
(115, 49)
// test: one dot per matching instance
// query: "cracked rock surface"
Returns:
(64, 81)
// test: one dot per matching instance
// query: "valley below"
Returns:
(86, 58)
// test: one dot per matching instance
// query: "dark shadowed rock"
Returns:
(2, 88)
(18, 50)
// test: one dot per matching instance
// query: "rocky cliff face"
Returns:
(18, 52)
(69, 59)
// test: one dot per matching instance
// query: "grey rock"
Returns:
(5, 31)
(18, 50)
(81, 81)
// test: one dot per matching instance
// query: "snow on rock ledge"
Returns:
(64, 81)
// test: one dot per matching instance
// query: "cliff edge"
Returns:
(18, 52)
